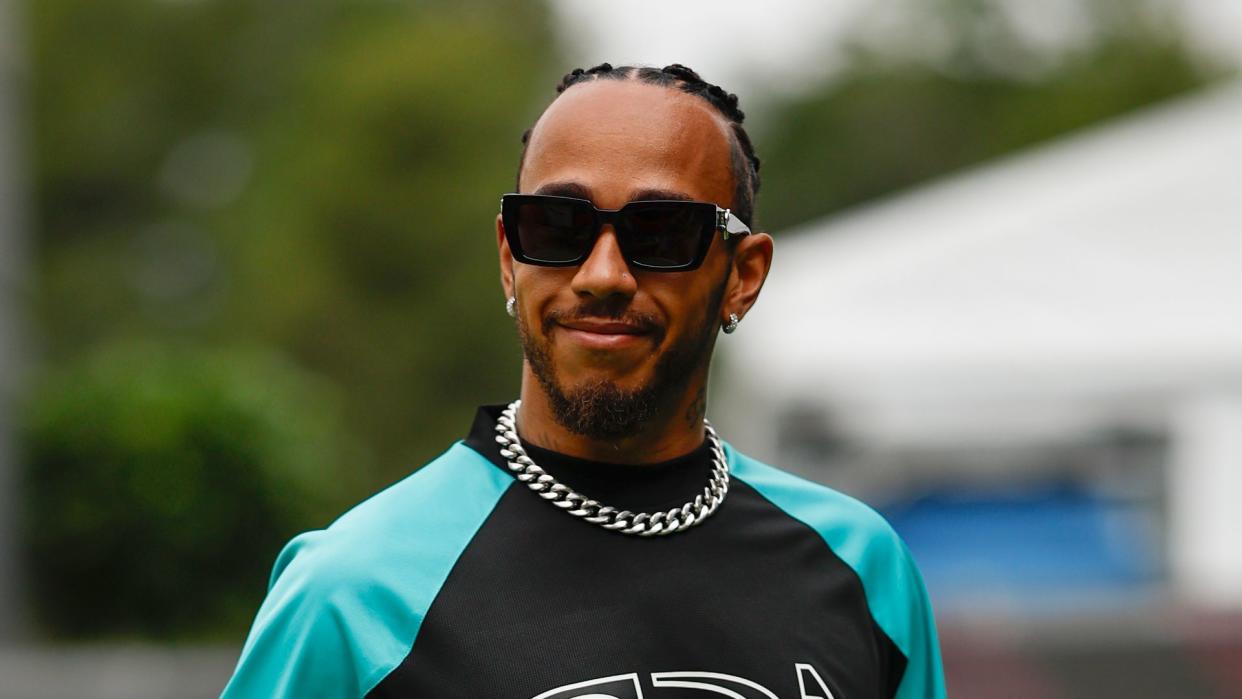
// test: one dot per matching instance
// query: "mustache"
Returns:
(603, 308)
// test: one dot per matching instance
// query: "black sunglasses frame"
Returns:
(713, 218)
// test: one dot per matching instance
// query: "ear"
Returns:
(751, 261)
(506, 258)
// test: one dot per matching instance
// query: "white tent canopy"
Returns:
(1103, 267)
(1095, 282)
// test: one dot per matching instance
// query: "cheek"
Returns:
(686, 307)
(537, 290)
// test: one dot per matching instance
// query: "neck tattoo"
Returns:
(558, 494)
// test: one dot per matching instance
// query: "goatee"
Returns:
(601, 409)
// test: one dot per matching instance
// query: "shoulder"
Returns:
(403, 538)
(865, 541)
(430, 513)
(345, 603)
(453, 492)
(853, 530)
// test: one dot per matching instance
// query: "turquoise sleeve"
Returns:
(345, 604)
(896, 595)
(301, 643)
(924, 676)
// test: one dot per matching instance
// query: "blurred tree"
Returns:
(318, 175)
(315, 177)
(160, 481)
(956, 82)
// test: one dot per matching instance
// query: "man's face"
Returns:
(611, 344)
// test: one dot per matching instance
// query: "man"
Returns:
(596, 539)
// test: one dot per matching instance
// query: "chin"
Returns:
(628, 379)
(603, 409)
(610, 394)
(572, 366)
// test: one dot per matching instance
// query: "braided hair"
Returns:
(744, 162)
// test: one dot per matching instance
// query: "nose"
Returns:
(605, 273)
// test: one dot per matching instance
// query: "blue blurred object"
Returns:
(1047, 550)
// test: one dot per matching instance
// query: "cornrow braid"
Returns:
(744, 162)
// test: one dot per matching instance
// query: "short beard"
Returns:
(601, 410)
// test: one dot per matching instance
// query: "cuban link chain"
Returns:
(642, 523)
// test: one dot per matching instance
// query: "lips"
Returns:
(605, 327)
(605, 333)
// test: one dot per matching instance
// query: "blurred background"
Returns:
(248, 277)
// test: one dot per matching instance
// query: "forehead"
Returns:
(615, 139)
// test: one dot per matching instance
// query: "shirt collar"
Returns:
(629, 486)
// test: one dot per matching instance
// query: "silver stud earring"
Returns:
(511, 307)
(732, 324)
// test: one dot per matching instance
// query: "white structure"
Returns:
(1095, 281)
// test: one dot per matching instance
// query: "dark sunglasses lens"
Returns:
(554, 231)
(665, 235)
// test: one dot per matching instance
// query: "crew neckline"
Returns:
(653, 486)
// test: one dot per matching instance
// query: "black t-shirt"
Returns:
(459, 581)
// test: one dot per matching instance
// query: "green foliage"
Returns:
(321, 176)
(160, 483)
(889, 122)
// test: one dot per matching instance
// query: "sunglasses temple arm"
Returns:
(730, 224)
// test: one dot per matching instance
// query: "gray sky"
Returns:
(726, 41)
(776, 44)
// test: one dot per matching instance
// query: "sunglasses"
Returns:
(662, 236)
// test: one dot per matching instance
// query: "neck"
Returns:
(674, 430)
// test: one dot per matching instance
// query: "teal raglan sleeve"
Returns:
(924, 675)
(896, 595)
(345, 604)
(302, 643)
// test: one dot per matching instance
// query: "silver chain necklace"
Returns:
(642, 523)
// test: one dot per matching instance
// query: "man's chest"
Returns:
(756, 615)
(636, 654)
